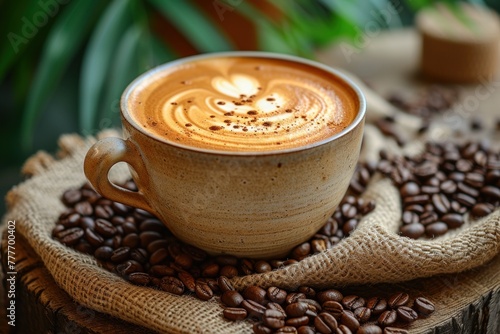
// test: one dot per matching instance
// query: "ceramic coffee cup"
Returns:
(256, 203)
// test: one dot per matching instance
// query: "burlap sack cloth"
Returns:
(373, 253)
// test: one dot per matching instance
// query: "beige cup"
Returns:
(257, 205)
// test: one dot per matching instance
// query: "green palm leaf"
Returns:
(64, 40)
(97, 61)
(193, 24)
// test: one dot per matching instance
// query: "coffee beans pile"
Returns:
(440, 187)
(329, 311)
(137, 246)
(431, 100)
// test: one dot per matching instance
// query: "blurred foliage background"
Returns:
(64, 63)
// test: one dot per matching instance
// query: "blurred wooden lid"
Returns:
(460, 43)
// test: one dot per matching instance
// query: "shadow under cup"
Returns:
(248, 204)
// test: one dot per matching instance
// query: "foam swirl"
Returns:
(243, 104)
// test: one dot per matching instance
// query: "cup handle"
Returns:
(105, 154)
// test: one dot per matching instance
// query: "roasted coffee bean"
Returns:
(343, 329)
(139, 278)
(334, 308)
(313, 304)
(308, 291)
(276, 295)
(369, 329)
(211, 270)
(458, 208)
(377, 305)
(363, 314)
(172, 285)
(409, 217)
(350, 321)
(430, 190)
(481, 210)
(228, 271)
(293, 297)
(103, 211)
(128, 267)
(413, 231)
(224, 284)
(410, 189)
(436, 229)
(297, 322)
(262, 267)
(188, 280)
(152, 224)
(71, 197)
(352, 302)
(398, 299)
(428, 217)
(235, 313)
(203, 291)
(305, 330)
(227, 260)
(349, 226)
(325, 323)
(417, 208)
(491, 192)
(148, 237)
(395, 330)
(320, 245)
(184, 260)
(423, 306)
(255, 293)
(277, 307)
(84, 247)
(448, 187)
(246, 266)
(475, 180)
(120, 255)
(286, 330)
(441, 203)
(131, 240)
(93, 238)
(407, 314)
(468, 190)
(103, 253)
(232, 298)
(104, 228)
(301, 251)
(273, 319)
(297, 309)
(254, 309)
(465, 200)
(453, 220)
(158, 257)
(417, 199)
(84, 208)
(73, 220)
(387, 318)
(70, 236)
(162, 270)
(348, 210)
(212, 283)
(259, 328)
(327, 295)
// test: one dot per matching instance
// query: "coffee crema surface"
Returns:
(249, 104)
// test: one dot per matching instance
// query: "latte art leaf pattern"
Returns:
(244, 104)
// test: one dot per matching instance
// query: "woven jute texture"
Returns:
(373, 253)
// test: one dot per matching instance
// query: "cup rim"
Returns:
(124, 110)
